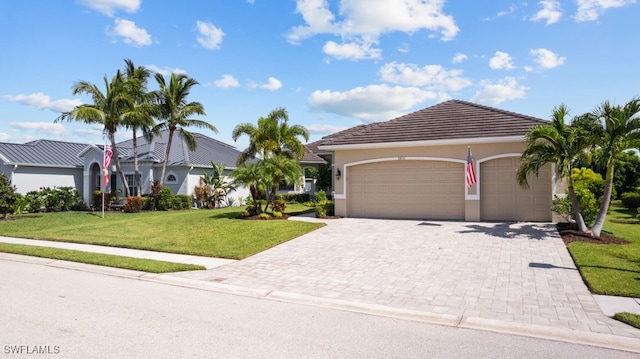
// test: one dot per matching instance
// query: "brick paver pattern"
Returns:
(512, 272)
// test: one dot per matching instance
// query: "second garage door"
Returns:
(406, 189)
(502, 198)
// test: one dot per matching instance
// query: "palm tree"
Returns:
(273, 135)
(617, 130)
(281, 169)
(174, 110)
(140, 116)
(218, 185)
(106, 110)
(559, 144)
(250, 174)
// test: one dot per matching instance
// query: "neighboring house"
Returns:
(46, 163)
(414, 167)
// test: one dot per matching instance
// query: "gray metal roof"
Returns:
(49, 153)
(43, 153)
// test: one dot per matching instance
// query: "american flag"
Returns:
(106, 161)
(470, 172)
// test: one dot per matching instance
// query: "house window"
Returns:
(171, 178)
(308, 179)
(133, 189)
(285, 187)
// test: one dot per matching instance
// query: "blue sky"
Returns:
(331, 64)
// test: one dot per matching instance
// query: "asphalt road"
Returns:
(74, 314)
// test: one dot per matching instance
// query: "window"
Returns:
(308, 180)
(171, 178)
(131, 183)
(285, 187)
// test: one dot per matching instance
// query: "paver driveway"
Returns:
(509, 272)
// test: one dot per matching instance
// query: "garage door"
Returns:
(406, 189)
(502, 199)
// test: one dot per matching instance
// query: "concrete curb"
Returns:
(537, 331)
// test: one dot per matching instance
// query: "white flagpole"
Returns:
(104, 149)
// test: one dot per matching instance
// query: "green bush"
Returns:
(589, 205)
(164, 199)
(264, 215)
(293, 197)
(631, 200)
(320, 211)
(8, 197)
(181, 201)
(277, 214)
(320, 197)
(56, 199)
(32, 202)
(132, 204)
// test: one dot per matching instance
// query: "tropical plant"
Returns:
(218, 184)
(173, 111)
(140, 115)
(249, 174)
(559, 144)
(280, 169)
(614, 129)
(8, 197)
(106, 110)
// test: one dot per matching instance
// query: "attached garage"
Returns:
(406, 189)
(502, 198)
(413, 167)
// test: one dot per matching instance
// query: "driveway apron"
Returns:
(519, 273)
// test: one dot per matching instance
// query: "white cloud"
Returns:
(550, 12)
(590, 10)
(371, 103)
(4, 137)
(210, 36)
(458, 58)
(164, 71)
(404, 48)
(42, 101)
(501, 61)
(324, 129)
(272, 85)
(130, 33)
(226, 81)
(55, 129)
(351, 51)
(363, 21)
(512, 8)
(546, 59)
(500, 91)
(433, 77)
(108, 7)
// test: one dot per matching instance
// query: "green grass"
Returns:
(145, 265)
(211, 233)
(629, 318)
(612, 269)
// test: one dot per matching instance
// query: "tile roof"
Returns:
(453, 119)
(310, 157)
(43, 153)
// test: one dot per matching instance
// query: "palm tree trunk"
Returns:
(112, 138)
(166, 156)
(575, 205)
(604, 203)
(136, 170)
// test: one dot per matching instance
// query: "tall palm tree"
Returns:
(273, 135)
(281, 169)
(173, 110)
(106, 110)
(617, 130)
(140, 116)
(559, 144)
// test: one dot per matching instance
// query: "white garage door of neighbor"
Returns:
(502, 198)
(406, 189)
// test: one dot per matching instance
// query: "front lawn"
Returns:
(212, 233)
(612, 269)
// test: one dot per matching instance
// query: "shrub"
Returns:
(251, 210)
(181, 201)
(631, 200)
(320, 211)
(8, 197)
(278, 206)
(132, 204)
(277, 214)
(293, 197)
(320, 197)
(264, 215)
(589, 205)
(164, 199)
(32, 202)
(97, 200)
(147, 202)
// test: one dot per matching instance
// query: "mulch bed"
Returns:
(570, 233)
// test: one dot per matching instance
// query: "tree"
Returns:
(217, 183)
(140, 115)
(558, 144)
(281, 169)
(173, 110)
(106, 110)
(250, 174)
(8, 197)
(614, 129)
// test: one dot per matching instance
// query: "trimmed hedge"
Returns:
(631, 200)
